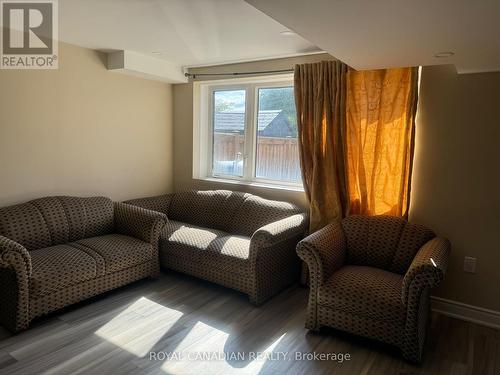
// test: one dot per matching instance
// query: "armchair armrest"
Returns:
(14, 255)
(324, 251)
(280, 230)
(139, 222)
(428, 267)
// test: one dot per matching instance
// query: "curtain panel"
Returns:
(381, 107)
(320, 98)
(356, 139)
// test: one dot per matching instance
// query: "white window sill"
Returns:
(257, 184)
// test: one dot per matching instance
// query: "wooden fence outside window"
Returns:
(277, 158)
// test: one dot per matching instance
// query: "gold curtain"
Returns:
(356, 139)
(320, 97)
(381, 106)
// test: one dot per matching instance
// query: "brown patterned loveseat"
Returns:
(371, 276)
(56, 251)
(234, 239)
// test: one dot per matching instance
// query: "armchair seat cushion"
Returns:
(214, 248)
(60, 266)
(364, 291)
(117, 251)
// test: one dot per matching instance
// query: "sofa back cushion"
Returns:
(385, 242)
(210, 208)
(52, 221)
(255, 212)
(24, 224)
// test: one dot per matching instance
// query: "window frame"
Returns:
(204, 129)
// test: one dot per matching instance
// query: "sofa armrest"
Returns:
(280, 230)
(138, 222)
(14, 255)
(159, 203)
(427, 268)
(15, 271)
(324, 251)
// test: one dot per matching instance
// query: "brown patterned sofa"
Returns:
(371, 276)
(56, 251)
(234, 239)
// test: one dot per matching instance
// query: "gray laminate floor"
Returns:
(180, 325)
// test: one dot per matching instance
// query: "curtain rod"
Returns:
(194, 75)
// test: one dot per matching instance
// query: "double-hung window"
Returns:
(250, 130)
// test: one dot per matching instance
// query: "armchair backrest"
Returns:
(52, 221)
(385, 242)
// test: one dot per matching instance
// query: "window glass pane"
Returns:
(277, 146)
(229, 132)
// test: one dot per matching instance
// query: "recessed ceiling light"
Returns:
(287, 32)
(444, 54)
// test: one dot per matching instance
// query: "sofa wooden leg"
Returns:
(255, 301)
(313, 327)
(312, 323)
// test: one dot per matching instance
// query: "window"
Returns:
(250, 132)
(277, 155)
(228, 142)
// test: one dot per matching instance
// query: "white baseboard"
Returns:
(463, 311)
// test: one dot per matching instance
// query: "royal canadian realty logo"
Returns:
(29, 34)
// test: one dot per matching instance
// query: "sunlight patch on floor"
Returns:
(202, 351)
(138, 328)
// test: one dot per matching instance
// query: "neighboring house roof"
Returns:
(279, 127)
(235, 121)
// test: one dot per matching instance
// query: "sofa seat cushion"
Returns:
(118, 251)
(60, 266)
(211, 247)
(190, 236)
(364, 291)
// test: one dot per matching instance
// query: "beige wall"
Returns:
(456, 181)
(83, 130)
(456, 175)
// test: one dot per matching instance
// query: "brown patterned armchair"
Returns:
(371, 276)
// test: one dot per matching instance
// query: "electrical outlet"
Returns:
(470, 264)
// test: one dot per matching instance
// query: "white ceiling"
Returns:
(186, 32)
(371, 34)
